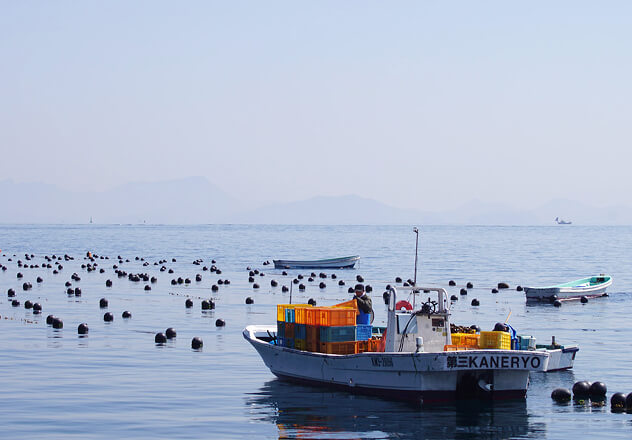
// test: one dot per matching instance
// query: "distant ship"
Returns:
(559, 221)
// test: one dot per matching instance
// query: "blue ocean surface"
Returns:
(117, 383)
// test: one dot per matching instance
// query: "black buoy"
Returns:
(322, 285)
(618, 402)
(154, 280)
(341, 283)
(15, 303)
(469, 285)
(628, 402)
(49, 319)
(220, 323)
(463, 292)
(19, 275)
(251, 279)
(39, 279)
(255, 286)
(519, 288)
(170, 333)
(311, 302)
(28, 304)
(557, 303)
(273, 283)
(494, 290)
(300, 276)
(198, 278)
(82, 329)
(10, 293)
(126, 314)
(220, 282)
(26, 286)
(214, 287)
(147, 287)
(77, 291)
(359, 279)
(500, 327)
(285, 289)
(160, 338)
(108, 283)
(249, 300)
(451, 283)
(108, 317)
(584, 300)
(503, 285)
(350, 290)
(597, 390)
(581, 389)
(284, 273)
(58, 323)
(196, 343)
(386, 296)
(70, 291)
(454, 298)
(398, 279)
(295, 281)
(475, 302)
(103, 303)
(301, 287)
(561, 395)
(476, 328)
(188, 303)
(368, 288)
(37, 308)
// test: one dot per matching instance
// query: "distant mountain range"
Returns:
(197, 201)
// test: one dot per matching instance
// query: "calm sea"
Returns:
(117, 383)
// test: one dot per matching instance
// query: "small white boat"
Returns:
(330, 263)
(559, 221)
(591, 287)
(413, 365)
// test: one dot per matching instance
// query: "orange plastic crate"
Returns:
(351, 304)
(456, 347)
(300, 314)
(338, 347)
(312, 346)
(289, 330)
(333, 317)
(374, 344)
(362, 346)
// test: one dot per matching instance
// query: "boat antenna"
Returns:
(416, 231)
(291, 293)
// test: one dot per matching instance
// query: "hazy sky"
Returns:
(417, 104)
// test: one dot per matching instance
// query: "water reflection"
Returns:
(309, 412)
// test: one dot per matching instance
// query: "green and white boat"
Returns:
(590, 287)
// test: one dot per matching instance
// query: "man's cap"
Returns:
(359, 287)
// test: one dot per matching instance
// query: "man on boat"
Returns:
(365, 305)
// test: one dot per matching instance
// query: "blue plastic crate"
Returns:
(289, 315)
(338, 334)
(300, 331)
(280, 329)
(363, 318)
(363, 332)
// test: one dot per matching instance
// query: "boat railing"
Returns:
(442, 296)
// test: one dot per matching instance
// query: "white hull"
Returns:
(425, 376)
(561, 358)
(562, 293)
(332, 263)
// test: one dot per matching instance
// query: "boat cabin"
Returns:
(426, 329)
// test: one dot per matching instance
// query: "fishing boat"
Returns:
(559, 221)
(413, 363)
(590, 287)
(330, 263)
